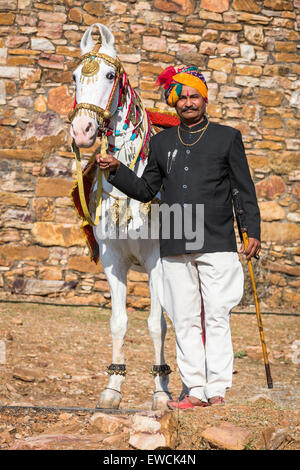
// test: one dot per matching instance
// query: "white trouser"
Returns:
(206, 370)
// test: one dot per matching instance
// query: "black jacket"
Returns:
(204, 173)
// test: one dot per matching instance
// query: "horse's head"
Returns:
(97, 86)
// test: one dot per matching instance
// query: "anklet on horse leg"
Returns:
(160, 370)
(118, 369)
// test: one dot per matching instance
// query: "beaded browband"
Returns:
(90, 68)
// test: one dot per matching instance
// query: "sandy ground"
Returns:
(57, 356)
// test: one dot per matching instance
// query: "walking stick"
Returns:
(242, 227)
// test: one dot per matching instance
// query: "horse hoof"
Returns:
(159, 401)
(109, 399)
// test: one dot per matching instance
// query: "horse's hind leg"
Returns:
(158, 328)
(111, 397)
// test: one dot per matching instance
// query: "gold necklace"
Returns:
(194, 143)
(191, 132)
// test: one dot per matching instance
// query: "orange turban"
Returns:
(173, 80)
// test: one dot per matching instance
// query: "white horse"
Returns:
(107, 106)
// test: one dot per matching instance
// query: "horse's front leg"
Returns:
(158, 327)
(111, 397)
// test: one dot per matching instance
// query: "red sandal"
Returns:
(187, 403)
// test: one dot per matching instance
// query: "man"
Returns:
(197, 164)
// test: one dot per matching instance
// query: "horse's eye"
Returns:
(110, 76)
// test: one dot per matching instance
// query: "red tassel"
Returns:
(166, 77)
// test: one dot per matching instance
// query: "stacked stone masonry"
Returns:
(248, 51)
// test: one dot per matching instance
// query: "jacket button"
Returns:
(184, 186)
(186, 168)
(187, 151)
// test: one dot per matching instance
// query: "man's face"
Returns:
(191, 106)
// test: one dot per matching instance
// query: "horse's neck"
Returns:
(125, 139)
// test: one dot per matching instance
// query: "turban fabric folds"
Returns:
(172, 81)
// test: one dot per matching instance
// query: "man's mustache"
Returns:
(188, 108)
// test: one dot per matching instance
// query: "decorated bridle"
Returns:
(89, 71)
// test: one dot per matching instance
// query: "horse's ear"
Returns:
(106, 39)
(87, 42)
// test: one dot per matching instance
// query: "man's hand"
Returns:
(253, 248)
(109, 163)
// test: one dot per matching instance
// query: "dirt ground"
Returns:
(57, 356)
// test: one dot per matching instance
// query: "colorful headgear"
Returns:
(173, 80)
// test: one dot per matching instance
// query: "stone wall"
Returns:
(248, 52)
